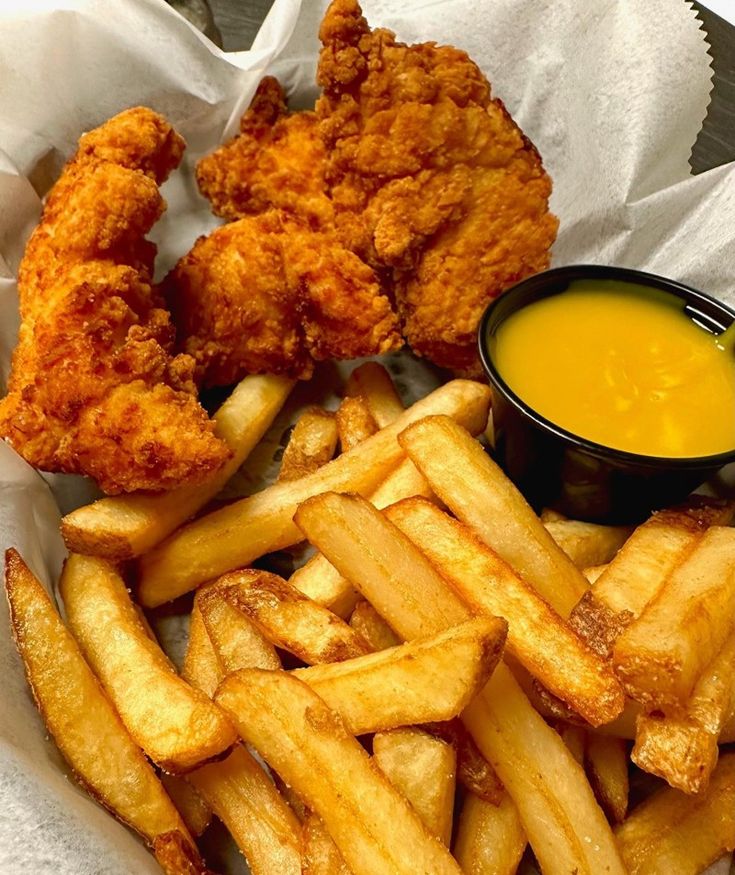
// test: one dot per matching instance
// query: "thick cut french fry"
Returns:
(426, 680)
(237, 641)
(125, 526)
(423, 768)
(373, 382)
(674, 833)
(474, 772)
(241, 532)
(478, 493)
(368, 623)
(641, 567)
(554, 799)
(176, 856)
(606, 762)
(312, 444)
(376, 830)
(193, 809)
(490, 838)
(92, 738)
(661, 655)
(587, 543)
(593, 573)
(248, 803)
(175, 724)
(355, 422)
(537, 636)
(320, 854)
(202, 668)
(575, 738)
(289, 619)
(682, 748)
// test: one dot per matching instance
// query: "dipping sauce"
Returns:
(624, 366)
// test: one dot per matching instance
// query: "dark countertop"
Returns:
(239, 20)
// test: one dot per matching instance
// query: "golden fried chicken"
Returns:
(276, 162)
(267, 295)
(429, 176)
(94, 388)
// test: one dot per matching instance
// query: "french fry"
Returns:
(537, 635)
(549, 515)
(236, 640)
(490, 838)
(674, 833)
(247, 802)
(592, 573)
(474, 772)
(125, 526)
(375, 829)
(588, 543)
(193, 809)
(641, 567)
(426, 680)
(368, 623)
(175, 724)
(554, 799)
(312, 444)
(575, 738)
(355, 422)
(320, 854)
(202, 668)
(661, 655)
(477, 492)
(176, 856)
(289, 619)
(682, 748)
(92, 739)
(606, 762)
(373, 382)
(236, 535)
(423, 768)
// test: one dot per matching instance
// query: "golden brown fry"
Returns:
(92, 739)
(289, 619)
(593, 574)
(674, 833)
(587, 543)
(423, 768)
(368, 623)
(575, 738)
(478, 493)
(376, 830)
(175, 724)
(241, 532)
(355, 422)
(490, 838)
(640, 568)
(537, 635)
(426, 680)
(320, 854)
(176, 856)
(374, 383)
(606, 761)
(202, 668)
(247, 802)
(193, 809)
(236, 640)
(662, 654)
(312, 444)
(128, 525)
(474, 772)
(555, 801)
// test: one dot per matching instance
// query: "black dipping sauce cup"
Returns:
(555, 468)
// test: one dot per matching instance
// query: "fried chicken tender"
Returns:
(430, 177)
(264, 294)
(277, 161)
(94, 388)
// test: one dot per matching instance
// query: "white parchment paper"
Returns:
(613, 93)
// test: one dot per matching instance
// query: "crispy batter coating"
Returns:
(264, 294)
(429, 176)
(94, 388)
(276, 162)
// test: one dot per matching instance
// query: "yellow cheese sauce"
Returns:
(623, 366)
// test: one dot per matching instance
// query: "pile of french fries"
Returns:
(448, 680)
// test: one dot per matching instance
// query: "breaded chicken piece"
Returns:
(264, 294)
(431, 177)
(276, 162)
(94, 388)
